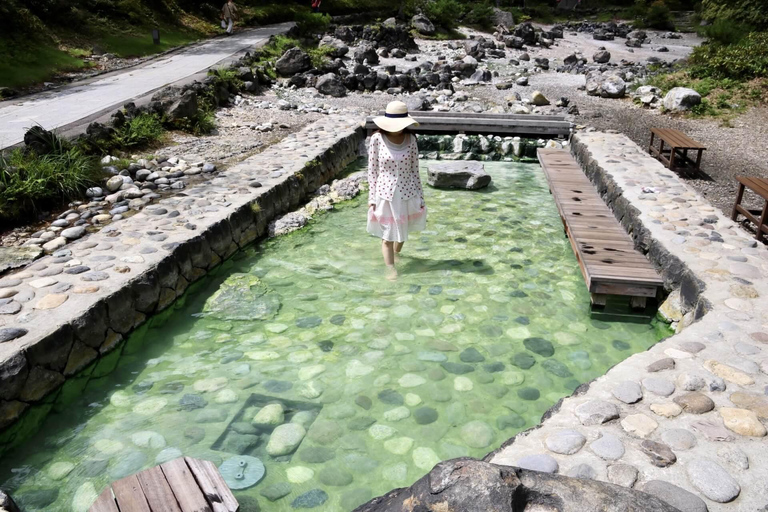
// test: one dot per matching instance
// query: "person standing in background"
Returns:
(228, 16)
(316, 5)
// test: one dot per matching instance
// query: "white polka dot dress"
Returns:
(394, 189)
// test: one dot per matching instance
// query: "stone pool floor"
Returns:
(302, 341)
(685, 420)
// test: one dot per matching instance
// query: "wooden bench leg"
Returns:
(672, 159)
(739, 196)
(650, 146)
(763, 218)
(637, 302)
(698, 160)
(598, 300)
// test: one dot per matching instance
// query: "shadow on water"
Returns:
(415, 265)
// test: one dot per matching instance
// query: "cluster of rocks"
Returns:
(525, 34)
(481, 147)
(124, 192)
(323, 200)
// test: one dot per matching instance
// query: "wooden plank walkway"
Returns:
(605, 252)
(181, 485)
(487, 124)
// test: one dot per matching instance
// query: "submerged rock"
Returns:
(243, 297)
(462, 175)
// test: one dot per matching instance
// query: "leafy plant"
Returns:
(140, 131)
(445, 13)
(31, 182)
(481, 15)
(742, 61)
(725, 31)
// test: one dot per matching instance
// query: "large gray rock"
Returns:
(465, 175)
(7, 504)
(15, 257)
(602, 56)
(423, 25)
(294, 60)
(474, 486)
(504, 18)
(185, 107)
(336, 48)
(243, 297)
(366, 53)
(331, 85)
(613, 87)
(681, 98)
(712, 480)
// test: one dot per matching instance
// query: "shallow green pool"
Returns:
(302, 340)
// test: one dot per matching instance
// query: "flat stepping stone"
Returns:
(628, 392)
(539, 462)
(679, 498)
(608, 447)
(712, 480)
(658, 386)
(566, 442)
(596, 412)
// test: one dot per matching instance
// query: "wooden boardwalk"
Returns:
(487, 124)
(605, 252)
(180, 485)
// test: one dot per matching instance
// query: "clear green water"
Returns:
(487, 327)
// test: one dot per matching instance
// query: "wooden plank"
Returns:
(472, 115)
(605, 252)
(129, 496)
(212, 484)
(157, 490)
(105, 502)
(184, 486)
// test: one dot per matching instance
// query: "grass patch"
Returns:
(141, 45)
(20, 66)
(31, 183)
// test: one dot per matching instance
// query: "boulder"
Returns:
(467, 175)
(538, 99)
(336, 48)
(331, 85)
(481, 75)
(366, 53)
(613, 87)
(602, 56)
(7, 504)
(514, 42)
(185, 107)
(503, 18)
(602, 35)
(633, 43)
(681, 99)
(423, 25)
(471, 485)
(294, 60)
(526, 32)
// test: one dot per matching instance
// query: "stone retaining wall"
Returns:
(69, 309)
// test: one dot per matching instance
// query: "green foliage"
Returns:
(444, 13)
(656, 15)
(725, 31)
(742, 61)
(319, 55)
(748, 12)
(31, 182)
(309, 23)
(22, 65)
(140, 131)
(481, 15)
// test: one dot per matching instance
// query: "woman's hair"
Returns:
(404, 130)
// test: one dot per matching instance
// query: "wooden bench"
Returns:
(605, 252)
(760, 187)
(486, 124)
(676, 156)
(181, 485)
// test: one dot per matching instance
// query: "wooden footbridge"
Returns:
(487, 124)
(605, 252)
(181, 485)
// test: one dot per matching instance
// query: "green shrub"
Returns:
(31, 183)
(481, 15)
(750, 12)
(309, 23)
(726, 31)
(140, 131)
(444, 13)
(658, 16)
(319, 56)
(742, 61)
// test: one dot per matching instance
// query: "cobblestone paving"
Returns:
(685, 420)
(62, 312)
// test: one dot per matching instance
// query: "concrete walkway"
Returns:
(55, 109)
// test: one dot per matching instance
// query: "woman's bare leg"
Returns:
(399, 247)
(388, 251)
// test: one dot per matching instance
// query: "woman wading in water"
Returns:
(395, 197)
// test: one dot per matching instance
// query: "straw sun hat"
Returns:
(395, 118)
